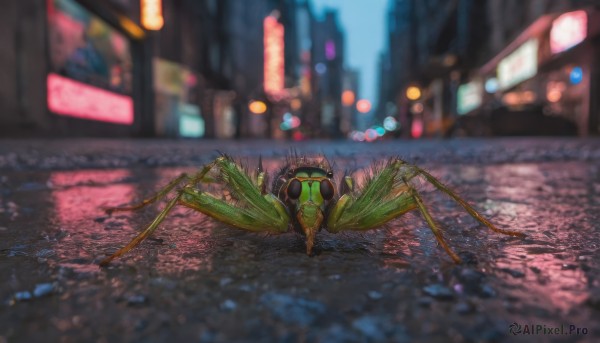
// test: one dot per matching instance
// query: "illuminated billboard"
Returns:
(568, 30)
(518, 66)
(274, 59)
(90, 66)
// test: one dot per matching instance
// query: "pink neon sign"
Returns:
(274, 56)
(75, 99)
(568, 30)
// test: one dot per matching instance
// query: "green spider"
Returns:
(302, 197)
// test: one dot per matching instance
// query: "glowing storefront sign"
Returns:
(469, 97)
(568, 30)
(274, 56)
(76, 99)
(191, 123)
(152, 18)
(519, 66)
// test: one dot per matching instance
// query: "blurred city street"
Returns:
(198, 280)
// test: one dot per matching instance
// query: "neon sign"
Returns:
(152, 18)
(75, 99)
(568, 30)
(519, 66)
(274, 56)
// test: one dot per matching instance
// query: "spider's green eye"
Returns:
(294, 189)
(326, 189)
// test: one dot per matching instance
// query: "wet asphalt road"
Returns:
(198, 280)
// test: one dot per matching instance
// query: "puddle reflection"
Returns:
(548, 203)
(78, 197)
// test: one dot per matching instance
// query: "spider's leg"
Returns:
(380, 200)
(250, 211)
(347, 184)
(432, 225)
(389, 196)
(144, 234)
(198, 177)
(440, 186)
(159, 195)
(249, 218)
(262, 177)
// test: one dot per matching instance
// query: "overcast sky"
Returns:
(363, 22)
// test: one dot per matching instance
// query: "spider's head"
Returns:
(309, 191)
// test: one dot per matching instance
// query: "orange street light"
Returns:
(413, 93)
(348, 98)
(257, 107)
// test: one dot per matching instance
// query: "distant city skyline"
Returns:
(363, 23)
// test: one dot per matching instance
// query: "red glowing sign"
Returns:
(75, 99)
(274, 58)
(568, 30)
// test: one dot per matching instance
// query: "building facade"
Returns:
(454, 53)
(73, 63)
(98, 68)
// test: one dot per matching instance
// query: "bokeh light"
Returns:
(348, 98)
(257, 107)
(390, 123)
(413, 93)
(363, 106)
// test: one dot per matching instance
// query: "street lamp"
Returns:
(257, 107)
(413, 93)
(348, 98)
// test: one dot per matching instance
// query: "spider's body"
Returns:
(303, 197)
(307, 189)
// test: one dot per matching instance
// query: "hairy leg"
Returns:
(388, 195)
(437, 184)
(158, 196)
(250, 210)
(432, 225)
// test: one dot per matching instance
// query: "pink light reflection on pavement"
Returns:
(78, 200)
(547, 257)
(79, 197)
